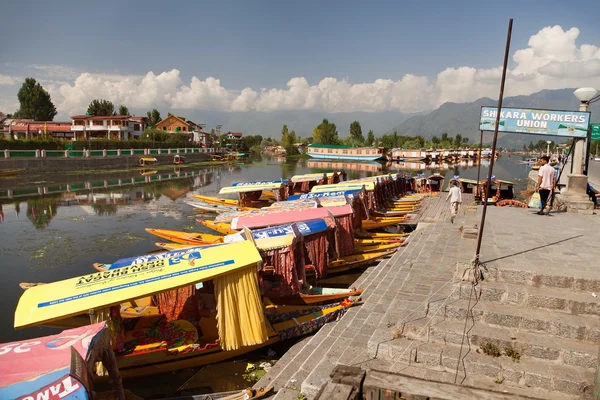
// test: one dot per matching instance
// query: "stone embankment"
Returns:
(530, 328)
(51, 164)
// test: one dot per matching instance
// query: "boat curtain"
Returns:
(345, 235)
(246, 198)
(317, 250)
(333, 179)
(181, 303)
(240, 315)
(283, 260)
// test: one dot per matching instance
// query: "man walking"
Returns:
(455, 199)
(546, 182)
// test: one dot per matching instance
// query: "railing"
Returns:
(100, 153)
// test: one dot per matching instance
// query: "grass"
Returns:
(512, 353)
(490, 349)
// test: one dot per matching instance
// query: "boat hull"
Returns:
(346, 157)
(186, 238)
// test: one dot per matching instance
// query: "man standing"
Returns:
(455, 199)
(546, 182)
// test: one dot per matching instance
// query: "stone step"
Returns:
(550, 298)
(526, 373)
(529, 344)
(587, 281)
(550, 323)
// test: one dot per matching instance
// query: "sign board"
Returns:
(536, 122)
(596, 131)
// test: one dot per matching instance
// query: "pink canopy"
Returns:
(281, 218)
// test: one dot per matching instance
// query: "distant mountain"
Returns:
(463, 118)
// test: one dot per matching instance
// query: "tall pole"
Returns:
(479, 160)
(493, 157)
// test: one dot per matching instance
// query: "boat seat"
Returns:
(160, 335)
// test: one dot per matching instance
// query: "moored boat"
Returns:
(332, 151)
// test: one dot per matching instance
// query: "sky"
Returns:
(334, 56)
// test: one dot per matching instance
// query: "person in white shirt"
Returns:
(546, 182)
(455, 197)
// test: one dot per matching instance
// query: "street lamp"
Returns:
(548, 142)
(577, 198)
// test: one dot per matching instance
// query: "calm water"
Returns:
(58, 235)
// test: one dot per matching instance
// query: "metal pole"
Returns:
(493, 157)
(479, 159)
(588, 145)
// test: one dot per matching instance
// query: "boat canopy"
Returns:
(288, 217)
(311, 177)
(49, 366)
(148, 159)
(259, 183)
(62, 299)
(468, 181)
(344, 186)
(374, 178)
(353, 193)
(271, 185)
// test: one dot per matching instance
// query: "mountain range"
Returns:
(451, 118)
(463, 118)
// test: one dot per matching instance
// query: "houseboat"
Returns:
(334, 151)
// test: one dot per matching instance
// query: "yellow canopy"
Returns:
(148, 159)
(343, 186)
(250, 188)
(62, 299)
(310, 177)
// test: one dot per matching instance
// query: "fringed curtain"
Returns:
(317, 250)
(240, 315)
(179, 303)
(346, 235)
(283, 261)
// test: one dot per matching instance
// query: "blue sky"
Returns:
(263, 44)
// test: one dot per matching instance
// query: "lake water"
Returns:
(56, 226)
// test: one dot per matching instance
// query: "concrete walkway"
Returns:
(536, 304)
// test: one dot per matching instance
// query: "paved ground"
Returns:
(536, 308)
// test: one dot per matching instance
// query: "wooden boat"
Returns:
(280, 218)
(366, 242)
(10, 172)
(215, 200)
(376, 247)
(158, 345)
(144, 161)
(354, 261)
(178, 159)
(347, 185)
(394, 214)
(215, 208)
(380, 235)
(222, 228)
(191, 238)
(378, 224)
(58, 366)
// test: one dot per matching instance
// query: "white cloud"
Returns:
(10, 80)
(551, 60)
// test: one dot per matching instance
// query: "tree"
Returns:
(370, 138)
(288, 140)
(101, 107)
(458, 140)
(34, 102)
(435, 140)
(123, 110)
(445, 137)
(154, 118)
(356, 132)
(325, 133)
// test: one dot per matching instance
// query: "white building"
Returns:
(117, 127)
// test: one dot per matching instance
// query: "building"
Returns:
(176, 124)
(116, 127)
(234, 135)
(28, 128)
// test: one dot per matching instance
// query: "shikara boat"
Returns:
(10, 172)
(58, 366)
(227, 324)
(381, 235)
(222, 228)
(191, 238)
(383, 223)
(217, 208)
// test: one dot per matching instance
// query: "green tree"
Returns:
(123, 110)
(445, 137)
(288, 140)
(435, 140)
(458, 140)
(370, 138)
(101, 107)
(325, 133)
(34, 102)
(154, 118)
(356, 132)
